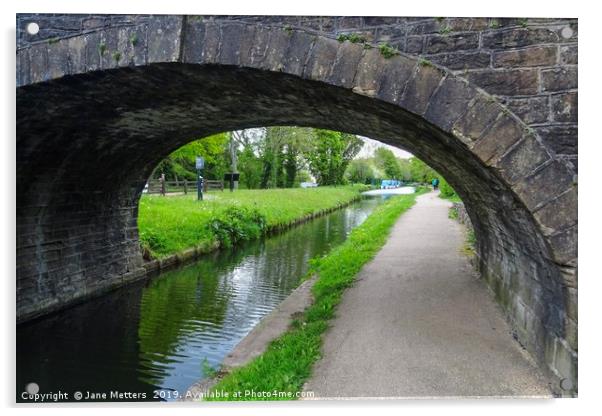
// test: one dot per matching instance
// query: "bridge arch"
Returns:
(97, 111)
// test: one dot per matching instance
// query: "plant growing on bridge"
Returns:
(387, 50)
(351, 37)
(494, 24)
(445, 30)
(424, 62)
(116, 56)
(102, 48)
(134, 39)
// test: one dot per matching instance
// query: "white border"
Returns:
(589, 201)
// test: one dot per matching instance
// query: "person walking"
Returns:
(435, 183)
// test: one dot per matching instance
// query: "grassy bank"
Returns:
(287, 362)
(171, 224)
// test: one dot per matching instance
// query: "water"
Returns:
(163, 334)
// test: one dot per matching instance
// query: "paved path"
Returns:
(417, 323)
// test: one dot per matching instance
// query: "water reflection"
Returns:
(157, 334)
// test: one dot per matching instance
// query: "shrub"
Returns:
(236, 224)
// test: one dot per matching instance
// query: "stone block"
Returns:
(568, 54)
(564, 107)
(559, 79)
(506, 81)
(346, 64)
(322, 58)
(558, 214)
(522, 159)
(449, 102)
(299, 47)
(532, 110)
(450, 43)
(481, 114)
(533, 56)
(414, 44)
(462, 60)
(231, 38)
(518, 37)
(395, 75)
(349, 22)
(564, 246)
(562, 139)
(369, 70)
(544, 185)
(164, 36)
(420, 87)
(505, 132)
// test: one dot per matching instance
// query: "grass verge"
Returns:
(168, 225)
(288, 360)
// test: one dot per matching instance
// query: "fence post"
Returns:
(205, 183)
(162, 184)
(185, 186)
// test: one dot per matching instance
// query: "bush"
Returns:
(236, 224)
(151, 242)
(446, 190)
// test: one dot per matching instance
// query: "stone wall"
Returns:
(530, 64)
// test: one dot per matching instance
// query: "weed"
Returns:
(387, 51)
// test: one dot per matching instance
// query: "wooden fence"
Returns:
(158, 186)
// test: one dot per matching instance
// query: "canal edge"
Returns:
(257, 341)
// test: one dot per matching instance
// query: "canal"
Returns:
(166, 333)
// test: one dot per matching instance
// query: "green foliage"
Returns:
(134, 39)
(351, 37)
(494, 24)
(330, 154)
(387, 51)
(424, 62)
(386, 160)
(236, 224)
(421, 172)
(102, 48)
(181, 163)
(249, 166)
(445, 30)
(453, 213)
(116, 56)
(288, 360)
(523, 22)
(447, 192)
(360, 171)
(208, 370)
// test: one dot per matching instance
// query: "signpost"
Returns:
(200, 164)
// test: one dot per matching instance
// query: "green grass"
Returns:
(453, 198)
(288, 360)
(175, 223)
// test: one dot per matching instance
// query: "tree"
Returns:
(387, 161)
(421, 172)
(181, 164)
(360, 171)
(329, 155)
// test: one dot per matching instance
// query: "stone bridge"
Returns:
(490, 103)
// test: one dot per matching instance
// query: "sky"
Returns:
(371, 145)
